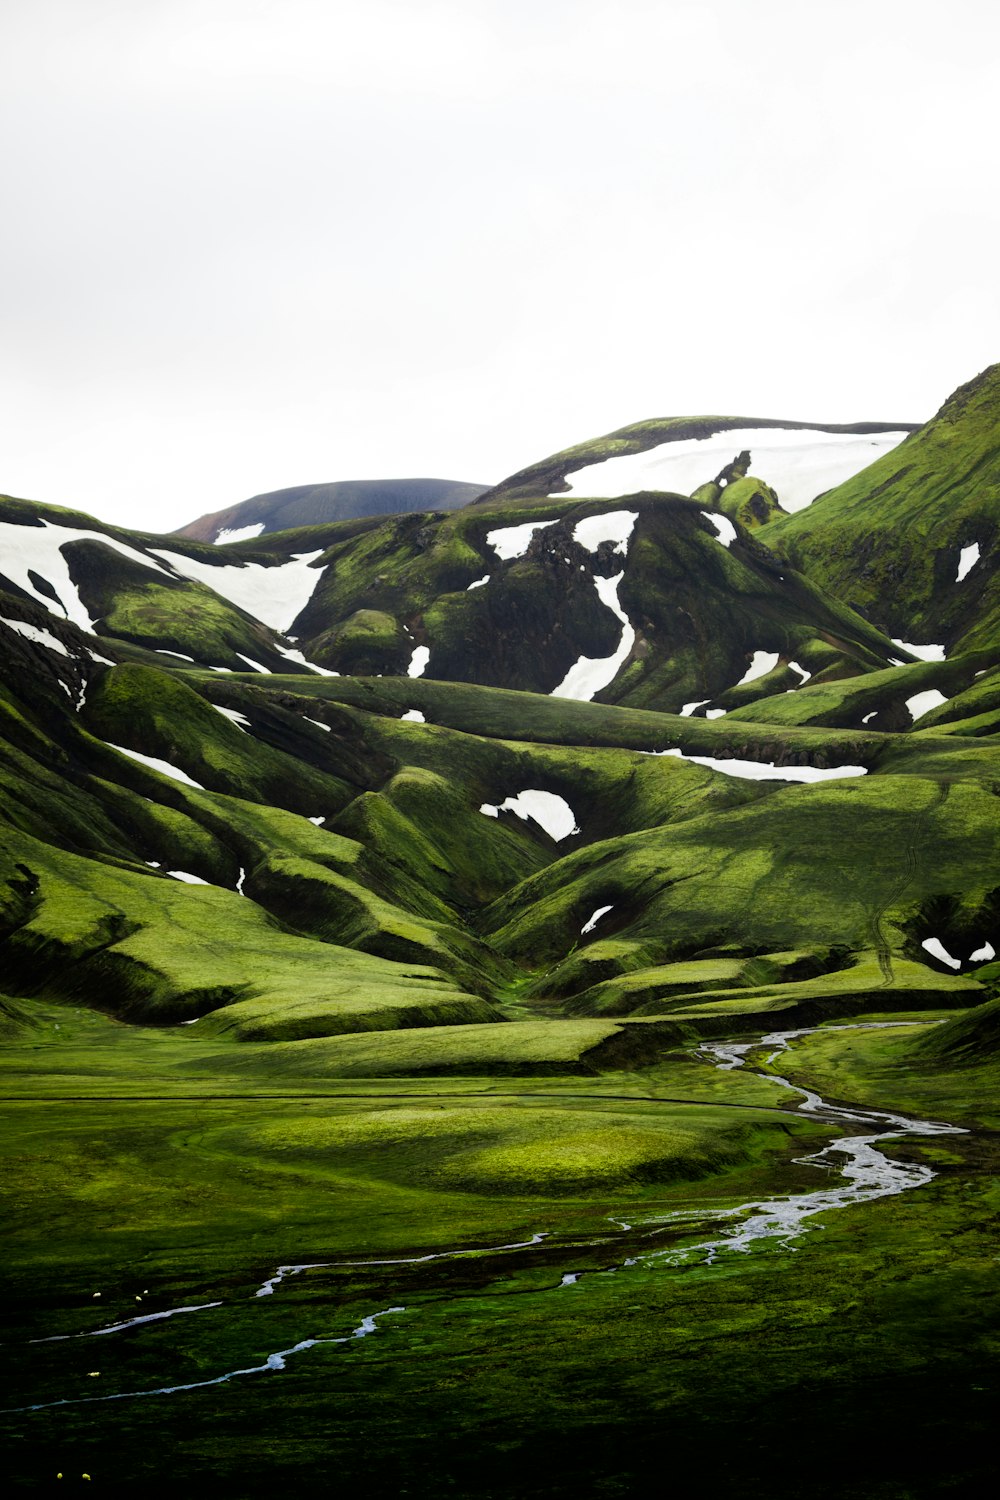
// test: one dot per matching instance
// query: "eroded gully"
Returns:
(864, 1174)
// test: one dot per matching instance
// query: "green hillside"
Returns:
(400, 922)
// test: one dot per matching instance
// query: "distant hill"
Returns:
(316, 504)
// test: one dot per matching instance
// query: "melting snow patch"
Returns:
(186, 878)
(689, 708)
(275, 595)
(967, 561)
(763, 662)
(589, 675)
(800, 672)
(925, 653)
(163, 766)
(549, 811)
(233, 713)
(984, 954)
(715, 713)
(238, 534)
(318, 821)
(765, 770)
(39, 549)
(724, 528)
(936, 949)
(613, 526)
(179, 654)
(413, 716)
(254, 664)
(922, 703)
(418, 661)
(478, 583)
(296, 655)
(799, 464)
(318, 723)
(601, 911)
(509, 542)
(868, 717)
(38, 634)
(239, 883)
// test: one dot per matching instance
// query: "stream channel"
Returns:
(863, 1173)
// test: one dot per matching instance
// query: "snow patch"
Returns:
(163, 766)
(38, 634)
(868, 717)
(967, 561)
(234, 714)
(612, 526)
(589, 926)
(254, 664)
(179, 654)
(274, 595)
(984, 954)
(715, 713)
(689, 708)
(238, 533)
(413, 716)
(925, 653)
(549, 811)
(318, 723)
(724, 528)
(39, 549)
(799, 464)
(800, 672)
(318, 821)
(418, 661)
(936, 949)
(478, 583)
(589, 675)
(509, 542)
(922, 703)
(765, 770)
(763, 662)
(296, 655)
(186, 878)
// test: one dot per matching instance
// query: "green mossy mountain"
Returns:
(156, 721)
(890, 541)
(370, 893)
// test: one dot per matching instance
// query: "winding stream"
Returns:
(865, 1174)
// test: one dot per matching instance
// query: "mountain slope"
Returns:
(318, 504)
(798, 460)
(912, 541)
(401, 919)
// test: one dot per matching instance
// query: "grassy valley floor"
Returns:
(163, 1171)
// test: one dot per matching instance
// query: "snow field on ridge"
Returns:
(797, 464)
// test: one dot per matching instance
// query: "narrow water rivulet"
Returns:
(865, 1174)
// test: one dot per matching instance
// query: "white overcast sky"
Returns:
(255, 243)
